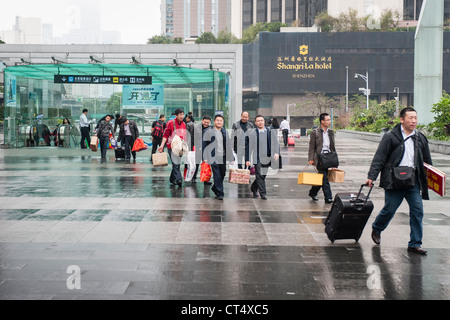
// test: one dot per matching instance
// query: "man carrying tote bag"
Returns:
(321, 141)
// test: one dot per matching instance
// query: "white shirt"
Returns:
(84, 121)
(284, 125)
(408, 156)
(326, 141)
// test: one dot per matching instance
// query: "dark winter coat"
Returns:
(390, 153)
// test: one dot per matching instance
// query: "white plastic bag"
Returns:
(190, 165)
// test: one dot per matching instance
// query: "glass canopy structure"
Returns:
(37, 102)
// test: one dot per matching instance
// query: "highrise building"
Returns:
(191, 18)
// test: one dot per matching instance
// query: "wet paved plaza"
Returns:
(133, 236)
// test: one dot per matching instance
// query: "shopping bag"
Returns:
(94, 143)
(160, 159)
(310, 178)
(139, 145)
(252, 170)
(205, 172)
(239, 176)
(190, 166)
(179, 146)
(113, 143)
(336, 175)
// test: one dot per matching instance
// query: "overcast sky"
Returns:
(137, 20)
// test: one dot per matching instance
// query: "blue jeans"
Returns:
(392, 200)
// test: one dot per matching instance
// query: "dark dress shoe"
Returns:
(255, 195)
(418, 250)
(376, 237)
(220, 197)
(328, 200)
(314, 198)
(264, 197)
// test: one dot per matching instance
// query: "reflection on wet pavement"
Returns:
(134, 236)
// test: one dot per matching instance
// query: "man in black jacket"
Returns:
(240, 137)
(402, 146)
(128, 133)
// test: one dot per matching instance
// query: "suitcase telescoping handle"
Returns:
(359, 193)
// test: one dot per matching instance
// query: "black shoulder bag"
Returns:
(327, 160)
(403, 177)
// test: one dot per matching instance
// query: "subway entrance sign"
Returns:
(93, 79)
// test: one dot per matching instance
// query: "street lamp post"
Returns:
(346, 89)
(397, 100)
(367, 90)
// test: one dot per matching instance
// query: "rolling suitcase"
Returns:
(119, 153)
(291, 142)
(348, 215)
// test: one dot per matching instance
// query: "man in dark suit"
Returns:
(261, 151)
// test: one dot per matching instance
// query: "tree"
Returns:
(163, 39)
(206, 37)
(113, 104)
(440, 128)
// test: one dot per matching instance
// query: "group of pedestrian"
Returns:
(105, 132)
(257, 145)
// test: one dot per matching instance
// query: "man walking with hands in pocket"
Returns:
(402, 147)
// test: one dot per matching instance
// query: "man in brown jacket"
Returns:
(321, 140)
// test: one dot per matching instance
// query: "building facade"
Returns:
(281, 69)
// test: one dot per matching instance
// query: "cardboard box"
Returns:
(310, 178)
(336, 175)
(94, 143)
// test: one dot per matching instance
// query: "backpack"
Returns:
(158, 130)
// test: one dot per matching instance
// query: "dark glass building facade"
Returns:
(285, 66)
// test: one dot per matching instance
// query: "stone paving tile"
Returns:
(135, 237)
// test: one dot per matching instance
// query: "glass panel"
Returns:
(37, 106)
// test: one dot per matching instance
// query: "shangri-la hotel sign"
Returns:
(304, 63)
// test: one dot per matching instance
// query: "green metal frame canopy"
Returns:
(160, 74)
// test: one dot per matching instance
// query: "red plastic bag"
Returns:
(139, 145)
(205, 172)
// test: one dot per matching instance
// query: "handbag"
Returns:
(403, 177)
(328, 160)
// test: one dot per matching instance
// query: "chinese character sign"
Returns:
(142, 97)
(436, 179)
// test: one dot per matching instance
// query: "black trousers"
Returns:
(218, 171)
(175, 174)
(156, 142)
(129, 142)
(85, 134)
(285, 133)
(326, 188)
(104, 145)
(260, 182)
